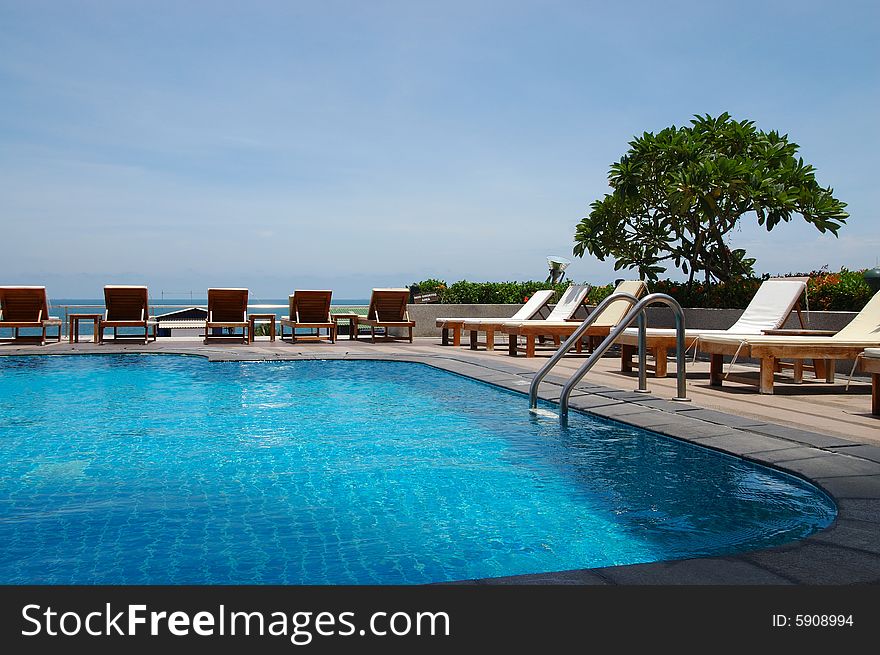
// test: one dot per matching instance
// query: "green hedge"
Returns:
(511, 293)
(842, 291)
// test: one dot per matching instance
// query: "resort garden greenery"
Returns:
(843, 290)
(677, 194)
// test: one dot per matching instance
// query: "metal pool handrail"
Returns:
(637, 311)
(572, 341)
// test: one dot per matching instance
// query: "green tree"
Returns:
(678, 194)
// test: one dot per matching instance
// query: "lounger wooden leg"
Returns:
(410, 333)
(798, 371)
(456, 335)
(875, 393)
(444, 336)
(473, 339)
(830, 366)
(626, 358)
(373, 333)
(557, 341)
(511, 345)
(43, 338)
(579, 346)
(661, 362)
(490, 339)
(768, 368)
(530, 346)
(716, 370)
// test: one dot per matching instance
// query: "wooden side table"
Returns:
(73, 325)
(262, 318)
(352, 325)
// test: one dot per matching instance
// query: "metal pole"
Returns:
(643, 353)
(680, 355)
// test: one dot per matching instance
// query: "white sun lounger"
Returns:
(769, 308)
(532, 308)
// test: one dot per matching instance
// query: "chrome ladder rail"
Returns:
(637, 311)
(572, 341)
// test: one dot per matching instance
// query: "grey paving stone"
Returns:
(624, 395)
(857, 486)
(860, 450)
(591, 401)
(622, 409)
(708, 571)
(801, 436)
(651, 419)
(787, 454)
(819, 563)
(491, 376)
(860, 509)
(596, 389)
(742, 443)
(515, 370)
(551, 396)
(584, 386)
(666, 405)
(861, 535)
(721, 418)
(696, 430)
(834, 466)
(582, 577)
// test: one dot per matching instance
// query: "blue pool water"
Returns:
(174, 470)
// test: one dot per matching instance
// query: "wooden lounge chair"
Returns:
(535, 313)
(861, 333)
(871, 364)
(536, 306)
(562, 329)
(126, 307)
(769, 308)
(27, 307)
(227, 310)
(387, 310)
(309, 310)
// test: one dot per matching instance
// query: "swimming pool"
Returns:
(149, 469)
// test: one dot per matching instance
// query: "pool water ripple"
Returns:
(143, 469)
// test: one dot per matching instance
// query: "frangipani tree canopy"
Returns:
(678, 194)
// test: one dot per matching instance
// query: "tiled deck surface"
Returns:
(818, 431)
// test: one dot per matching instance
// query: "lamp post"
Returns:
(557, 268)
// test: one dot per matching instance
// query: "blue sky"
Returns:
(347, 145)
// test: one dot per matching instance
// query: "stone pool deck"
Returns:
(820, 432)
